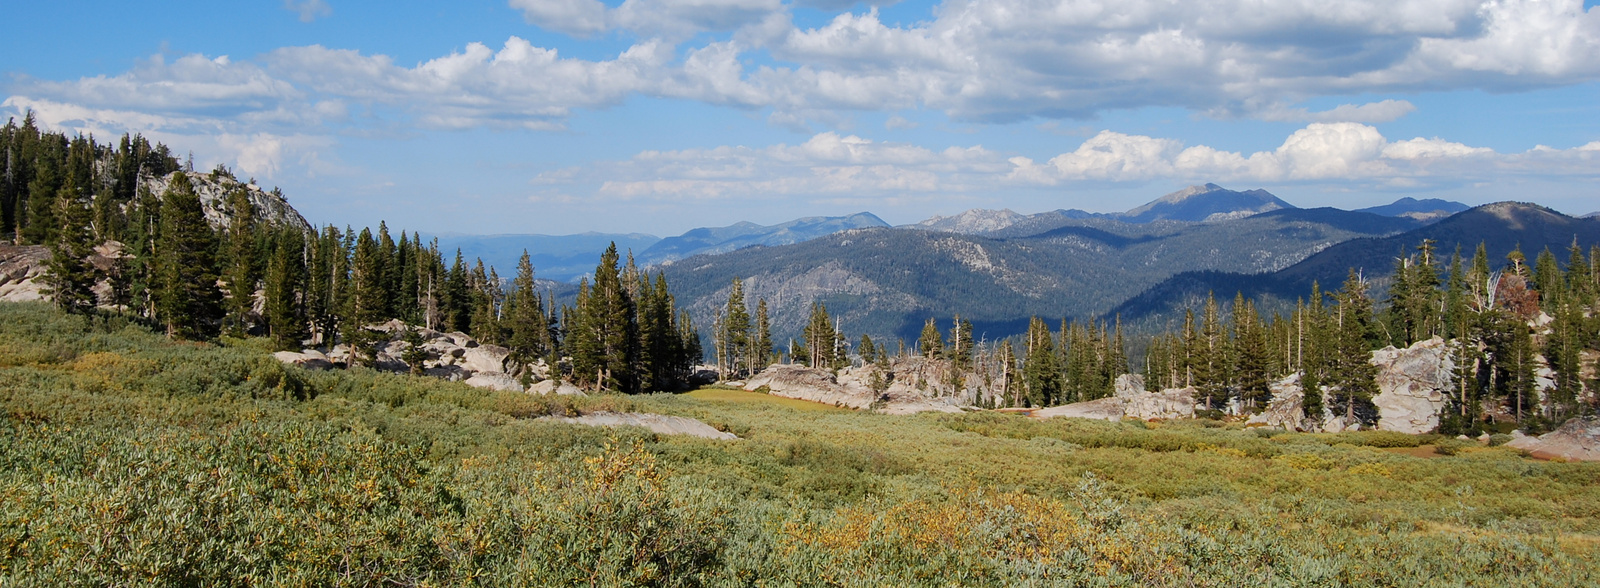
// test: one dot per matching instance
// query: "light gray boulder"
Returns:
(661, 424)
(494, 381)
(1286, 410)
(309, 359)
(485, 358)
(1576, 440)
(560, 387)
(1412, 386)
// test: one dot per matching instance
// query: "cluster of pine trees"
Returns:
(252, 277)
(1080, 362)
(1501, 327)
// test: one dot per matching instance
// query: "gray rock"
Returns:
(561, 387)
(1412, 384)
(452, 373)
(1576, 440)
(1105, 409)
(662, 424)
(494, 381)
(1286, 410)
(311, 360)
(1177, 403)
(1129, 385)
(485, 358)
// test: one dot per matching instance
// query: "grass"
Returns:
(127, 459)
(734, 396)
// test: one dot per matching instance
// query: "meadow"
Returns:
(127, 459)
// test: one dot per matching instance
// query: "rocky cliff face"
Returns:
(270, 207)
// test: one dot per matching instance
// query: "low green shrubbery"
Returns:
(125, 459)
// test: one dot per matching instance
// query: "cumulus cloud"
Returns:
(974, 60)
(1341, 154)
(832, 165)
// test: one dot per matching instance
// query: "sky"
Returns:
(657, 116)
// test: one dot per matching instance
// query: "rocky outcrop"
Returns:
(310, 359)
(1176, 403)
(661, 424)
(495, 381)
(447, 356)
(562, 388)
(270, 207)
(21, 271)
(1286, 410)
(1576, 440)
(1131, 401)
(852, 387)
(1105, 409)
(1412, 386)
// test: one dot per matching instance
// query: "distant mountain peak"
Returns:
(1426, 210)
(1206, 202)
(972, 222)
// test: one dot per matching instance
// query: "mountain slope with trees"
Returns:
(888, 282)
(1501, 227)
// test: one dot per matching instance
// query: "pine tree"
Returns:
(761, 351)
(604, 336)
(188, 301)
(819, 336)
(525, 318)
(1211, 356)
(931, 342)
(662, 358)
(1041, 369)
(71, 279)
(1251, 370)
(241, 275)
(734, 337)
(1356, 338)
(284, 290)
(960, 350)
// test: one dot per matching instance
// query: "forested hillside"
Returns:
(200, 256)
(1502, 228)
(888, 282)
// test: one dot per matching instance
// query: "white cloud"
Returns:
(1335, 154)
(974, 60)
(309, 10)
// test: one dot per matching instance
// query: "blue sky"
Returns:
(563, 116)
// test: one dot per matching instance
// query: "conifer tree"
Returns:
(1041, 369)
(960, 350)
(525, 318)
(1250, 370)
(188, 301)
(70, 278)
(1354, 374)
(819, 335)
(603, 336)
(664, 365)
(733, 351)
(241, 275)
(284, 290)
(761, 351)
(931, 342)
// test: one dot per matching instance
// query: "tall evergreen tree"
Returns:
(931, 342)
(525, 318)
(761, 350)
(1041, 369)
(604, 335)
(733, 350)
(242, 275)
(284, 290)
(70, 278)
(188, 300)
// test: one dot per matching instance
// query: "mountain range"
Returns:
(1501, 227)
(886, 281)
